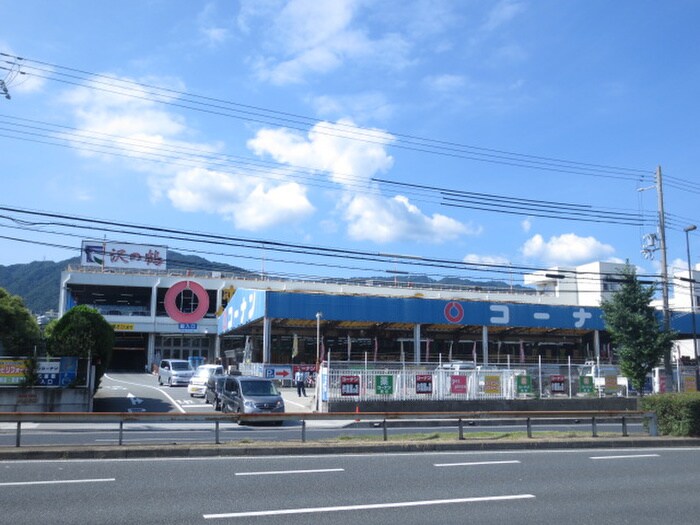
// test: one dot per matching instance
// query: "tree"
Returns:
(83, 332)
(19, 331)
(631, 321)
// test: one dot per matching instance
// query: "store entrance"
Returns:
(129, 353)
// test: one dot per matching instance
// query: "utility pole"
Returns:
(664, 273)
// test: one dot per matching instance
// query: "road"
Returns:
(576, 486)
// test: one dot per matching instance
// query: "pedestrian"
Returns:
(300, 379)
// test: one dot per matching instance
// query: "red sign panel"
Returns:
(557, 383)
(458, 384)
(349, 385)
(424, 384)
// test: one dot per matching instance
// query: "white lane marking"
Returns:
(175, 403)
(629, 456)
(475, 463)
(311, 510)
(54, 482)
(290, 402)
(272, 472)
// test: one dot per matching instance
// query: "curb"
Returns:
(204, 450)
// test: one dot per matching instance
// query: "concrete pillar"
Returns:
(596, 344)
(416, 344)
(267, 340)
(485, 344)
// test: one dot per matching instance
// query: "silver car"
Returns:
(174, 372)
(251, 395)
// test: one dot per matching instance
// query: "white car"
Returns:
(198, 383)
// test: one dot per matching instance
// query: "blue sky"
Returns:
(280, 116)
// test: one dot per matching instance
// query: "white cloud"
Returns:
(250, 203)
(208, 22)
(144, 128)
(565, 249)
(678, 265)
(446, 83)
(526, 225)
(351, 164)
(501, 14)
(380, 220)
(308, 36)
(329, 147)
(364, 107)
(473, 258)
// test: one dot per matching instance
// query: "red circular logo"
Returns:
(454, 312)
(174, 311)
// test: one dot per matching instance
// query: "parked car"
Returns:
(251, 395)
(174, 372)
(198, 383)
(215, 386)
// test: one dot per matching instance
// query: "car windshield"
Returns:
(259, 388)
(181, 366)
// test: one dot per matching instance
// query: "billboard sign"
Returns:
(121, 255)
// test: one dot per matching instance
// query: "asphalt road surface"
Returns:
(594, 486)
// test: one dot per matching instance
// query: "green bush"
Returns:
(677, 414)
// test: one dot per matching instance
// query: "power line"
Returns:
(103, 143)
(93, 225)
(267, 116)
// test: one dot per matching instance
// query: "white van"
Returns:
(174, 372)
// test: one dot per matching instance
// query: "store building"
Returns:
(163, 313)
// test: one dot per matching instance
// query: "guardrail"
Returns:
(460, 418)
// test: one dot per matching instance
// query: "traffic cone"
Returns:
(357, 411)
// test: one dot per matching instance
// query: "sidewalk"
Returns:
(294, 403)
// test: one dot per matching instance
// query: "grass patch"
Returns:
(470, 436)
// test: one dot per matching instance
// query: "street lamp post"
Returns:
(318, 340)
(687, 230)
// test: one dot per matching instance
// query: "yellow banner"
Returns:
(12, 371)
(123, 327)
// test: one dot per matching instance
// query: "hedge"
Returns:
(677, 414)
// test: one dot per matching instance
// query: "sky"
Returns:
(525, 134)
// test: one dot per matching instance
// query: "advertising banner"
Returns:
(12, 371)
(350, 385)
(492, 385)
(123, 256)
(458, 384)
(384, 385)
(424, 384)
(524, 384)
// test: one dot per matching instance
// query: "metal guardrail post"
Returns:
(594, 427)
(528, 423)
(303, 431)
(624, 427)
(216, 434)
(19, 434)
(384, 429)
(121, 431)
(653, 424)
(461, 430)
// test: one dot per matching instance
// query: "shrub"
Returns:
(677, 414)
